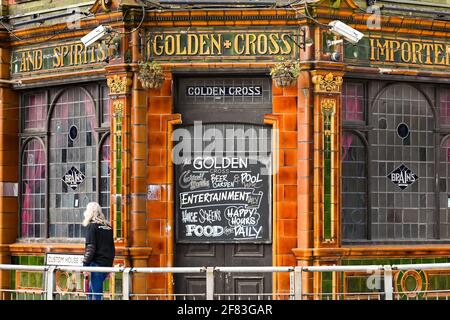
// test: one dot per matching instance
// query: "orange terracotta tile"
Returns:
(156, 174)
(157, 140)
(154, 157)
(156, 209)
(290, 193)
(154, 122)
(289, 122)
(288, 139)
(287, 210)
(160, 105)
(289, 227)
(283, 104)
(291, 91)
(290, 157)
(287, 175)
(138, 184)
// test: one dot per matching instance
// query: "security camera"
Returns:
(95, 35)
(335, 56)
(348, 33)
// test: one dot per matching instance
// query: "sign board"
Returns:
(218, 44)
(73, 178)
(224, 91)
(62, 259)
(406, 52)
(58, 56)
(403, 177)
(223, 200)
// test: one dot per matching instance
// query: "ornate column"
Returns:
(327, 118)
(327, 91)
(120, 106)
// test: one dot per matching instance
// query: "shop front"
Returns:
(220, 165)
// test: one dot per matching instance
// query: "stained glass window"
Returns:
(444, 105)
(354, 187)
(78, 161)
(105, 168)
(34, 111)
(33, 190)
(353, 101)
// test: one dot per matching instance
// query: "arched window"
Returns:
(33, 217)
(444, 189)
(400, 174)
(105, 171)
(73, 158)
(354, 187)
(77, 161)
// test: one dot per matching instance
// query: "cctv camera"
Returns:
(348, 33)
(95, 35)
(335, 56)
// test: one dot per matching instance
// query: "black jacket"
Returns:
(99, 245)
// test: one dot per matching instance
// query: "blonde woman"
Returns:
(99, 249)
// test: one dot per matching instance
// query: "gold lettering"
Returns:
(447, 54)
(178, 38)
(428, 47)
(274, 47)
(56, 57)
(394, 46)
(216, 47)
(64, 52)
(92, 48)
(157, 49)
(102, 56)
(23, 63)
(382, 50)
(30, 61)
(192, 42)
(85, 52)
(71, 55)
(238, 45)
(406, 52)
(250, 43)
(417, 52)
(204, 44)
(286, 43)
(439, 54)
(372, 51)
(169, 46)
(38, 60)
(262, 44)
(77, 53)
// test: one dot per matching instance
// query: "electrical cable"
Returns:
(140, 23)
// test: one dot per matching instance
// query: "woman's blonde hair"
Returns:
(94, 214)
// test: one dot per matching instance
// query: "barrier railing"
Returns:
(368, 282)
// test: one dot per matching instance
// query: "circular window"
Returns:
(73, 132)
(403, 130)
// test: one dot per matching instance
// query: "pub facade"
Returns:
(220, 165)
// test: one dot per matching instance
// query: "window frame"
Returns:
(102, 130)
(441, 133)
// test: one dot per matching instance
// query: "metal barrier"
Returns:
(388, 282)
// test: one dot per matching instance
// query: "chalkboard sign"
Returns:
(223, 200)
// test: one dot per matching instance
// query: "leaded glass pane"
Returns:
(104, 176)
(73, 162)
(353, 101)
(354, 188)
(410, 207)
(444, 105)
(34, 111)
(444, 194)
(33, 190)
